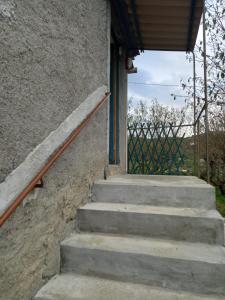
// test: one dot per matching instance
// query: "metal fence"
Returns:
(160, 149)
(171, 149)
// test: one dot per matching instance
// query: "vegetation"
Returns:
(215, 30)
(220, 201)
(154, 113)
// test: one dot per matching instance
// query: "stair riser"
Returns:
(159, 226)
(176, 274)
(153, 195)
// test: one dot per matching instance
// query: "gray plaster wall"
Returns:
(52, 55)
(30, 239)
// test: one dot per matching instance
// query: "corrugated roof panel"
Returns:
(165, 24)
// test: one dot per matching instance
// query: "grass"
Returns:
(220, 201)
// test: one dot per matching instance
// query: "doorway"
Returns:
(114, 106)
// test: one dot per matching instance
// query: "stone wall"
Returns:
(52, 55)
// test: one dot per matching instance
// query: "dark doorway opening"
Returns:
(114, 106)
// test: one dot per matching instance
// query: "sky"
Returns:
(160, 67)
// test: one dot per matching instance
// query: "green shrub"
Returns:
(220, 201)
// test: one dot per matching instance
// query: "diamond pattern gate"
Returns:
(158, 149)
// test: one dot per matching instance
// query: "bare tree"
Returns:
(154, 113)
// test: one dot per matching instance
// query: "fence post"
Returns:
(198, 148)
(194, 127)
(206, 96)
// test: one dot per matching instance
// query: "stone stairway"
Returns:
(145, 238)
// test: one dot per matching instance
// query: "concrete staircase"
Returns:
(144, 237)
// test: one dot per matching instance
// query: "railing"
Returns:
(38, 177)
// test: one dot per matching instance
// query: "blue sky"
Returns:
(160, 67)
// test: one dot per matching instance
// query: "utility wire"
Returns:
(142, 83)
(157, 84)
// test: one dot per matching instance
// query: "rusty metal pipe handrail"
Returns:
(51, 161)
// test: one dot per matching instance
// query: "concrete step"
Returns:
(175, 265)
(176, 191)
(75, 287)
(187, 224)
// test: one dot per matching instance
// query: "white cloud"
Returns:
(161, 68)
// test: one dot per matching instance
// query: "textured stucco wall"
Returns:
(52, 55)
(29, 240)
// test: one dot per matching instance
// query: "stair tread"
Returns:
(73, 287)
(156, 180)
(150, 209)
(148, 246)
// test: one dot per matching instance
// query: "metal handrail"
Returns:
(34, 181)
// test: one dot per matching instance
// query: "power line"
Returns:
(158, 84)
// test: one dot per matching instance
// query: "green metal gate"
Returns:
(159, 149)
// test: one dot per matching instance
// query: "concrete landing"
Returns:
(164, 263)
(75, 287)
(176, 191)
(195, 225)
(158, 180)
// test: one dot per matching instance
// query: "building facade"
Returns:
(56, 58)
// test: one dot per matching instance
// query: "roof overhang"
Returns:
(170, 25)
